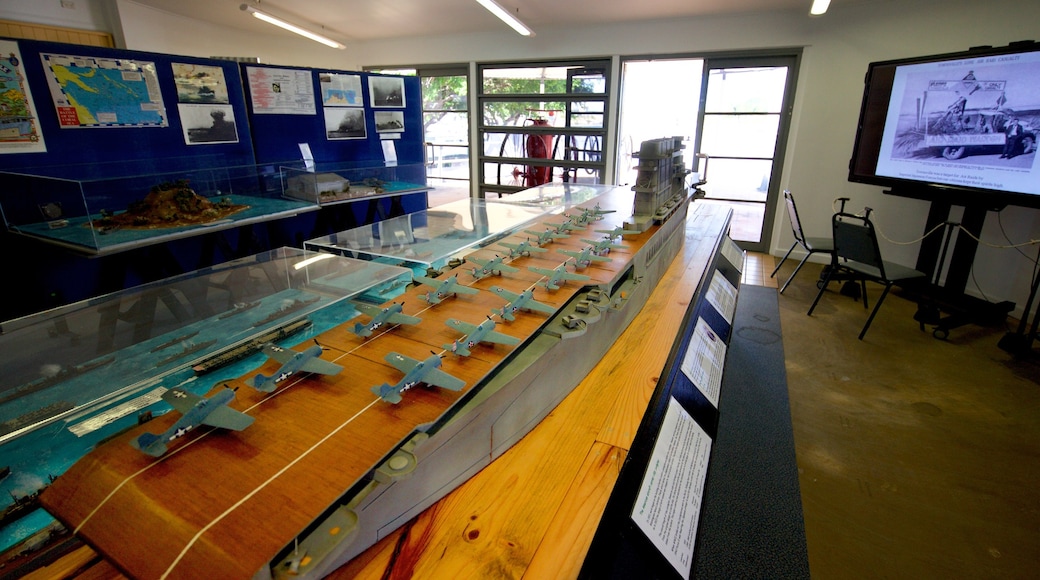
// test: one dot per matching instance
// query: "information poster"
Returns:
(704, 360)
(733, 254)
(723, 296)
(19, 124)
(281, 91)
(104, 92)
(668, 506)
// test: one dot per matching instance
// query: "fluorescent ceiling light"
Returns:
(506, 17)
(819, 7)
(291, 27)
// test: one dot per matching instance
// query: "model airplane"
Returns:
(568, 225)
(195, 411)
(590, 215)
(522, 301)
(547, 236)
(476, 334)
(308, 361)
(443, 288)
(585, 257)
(618, 231)
(490, 267)
(381, 316)
(604, 246)
(524, 248)
(416, 372)
(557, 276)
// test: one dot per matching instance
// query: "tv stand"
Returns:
(948, 295)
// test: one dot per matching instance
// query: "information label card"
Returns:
(722, 295)
(704, 360)
(669, 502)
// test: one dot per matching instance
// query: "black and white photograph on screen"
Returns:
(207, 124)
(969, 112)
(386, 91)
(345, 123)
(389, 121)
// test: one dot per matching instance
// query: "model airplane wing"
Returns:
(463, 327)
(321, 367)
(367, 309)
(571, 276)
(464, 289)
(182, 401)
(499, 338)
(427, 281)
(278, 353)
(225, 417)
(401, 362)
(506, 294)
(401, 318)
(439, 378)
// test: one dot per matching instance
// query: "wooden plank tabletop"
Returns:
(581, 444)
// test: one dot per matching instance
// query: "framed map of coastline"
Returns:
(104, 92)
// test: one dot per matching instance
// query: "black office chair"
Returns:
(857, 256)
(810, 245)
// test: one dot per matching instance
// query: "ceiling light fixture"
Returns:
(291, 27)
(819, 7)
(513, 22)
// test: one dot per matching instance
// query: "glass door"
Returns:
(446, 132)
(745, 108)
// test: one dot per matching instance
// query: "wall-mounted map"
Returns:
(104, 92)
(19, 125)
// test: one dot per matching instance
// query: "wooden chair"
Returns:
(810, 245)
(857, 257)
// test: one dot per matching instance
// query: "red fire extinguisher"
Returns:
(538, 147)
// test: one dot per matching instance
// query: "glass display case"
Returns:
(329, 183)
(101, 215)
(558, 196)
(79, 374)
(429, 238)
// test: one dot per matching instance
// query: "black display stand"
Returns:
(750, 519)
(942, 302)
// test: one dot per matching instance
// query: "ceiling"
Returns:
(362, 20)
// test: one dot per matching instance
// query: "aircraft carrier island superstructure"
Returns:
(328, 467)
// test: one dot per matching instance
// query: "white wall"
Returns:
(837, 49)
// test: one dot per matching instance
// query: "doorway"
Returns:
(740, 122)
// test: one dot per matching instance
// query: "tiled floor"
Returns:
(757, 268)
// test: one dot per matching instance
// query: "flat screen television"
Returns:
(958, 127)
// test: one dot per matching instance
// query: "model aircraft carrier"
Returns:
(327, 468)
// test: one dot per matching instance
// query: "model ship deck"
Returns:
(225, 503)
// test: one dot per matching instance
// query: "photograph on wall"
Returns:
(340, 90)
(19, 125)
(208, 124)
(104, 92)
(281, 91)
(970, 122)
(197, 83)
(345, 123)
(389, 121)
(386, 91)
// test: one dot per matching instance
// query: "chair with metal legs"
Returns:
(857, 257)
(809, 244)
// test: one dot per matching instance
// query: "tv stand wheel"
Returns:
(953, 152)
(941, 333)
